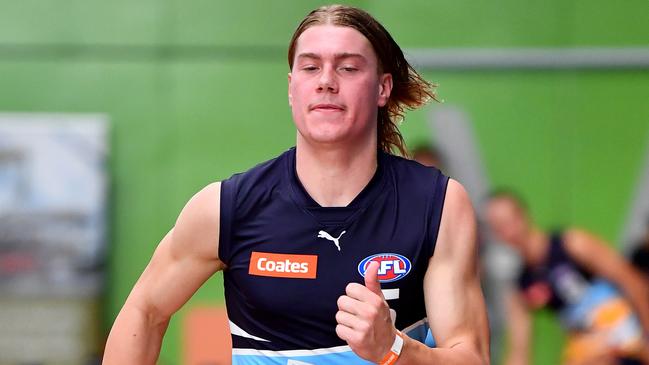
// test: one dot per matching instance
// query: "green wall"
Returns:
(196, 90)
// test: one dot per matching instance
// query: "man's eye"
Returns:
(349, 69)
(309, 68)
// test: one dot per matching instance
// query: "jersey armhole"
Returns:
(228, 199)
(439, 195)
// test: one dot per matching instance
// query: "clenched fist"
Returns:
(363, 318)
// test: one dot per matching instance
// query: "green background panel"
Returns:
(42, 22)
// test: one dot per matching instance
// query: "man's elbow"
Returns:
(147, 315)
(153, 316)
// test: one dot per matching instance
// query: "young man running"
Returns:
(336, 251)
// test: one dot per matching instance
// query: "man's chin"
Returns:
(327, 133)
(326, 139)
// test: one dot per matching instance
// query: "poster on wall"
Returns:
(53, 199)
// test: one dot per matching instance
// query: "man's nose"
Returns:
(327, 81)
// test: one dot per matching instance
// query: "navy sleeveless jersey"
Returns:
(288, 259)
(582, 300)
(558, 281)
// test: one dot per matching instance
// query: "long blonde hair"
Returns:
(409, 90)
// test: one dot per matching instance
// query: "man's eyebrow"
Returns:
(309, 55)
(349, 55)
(336, 56)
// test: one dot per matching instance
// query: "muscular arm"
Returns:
(185, 258)
(603, 261)
(454, 302)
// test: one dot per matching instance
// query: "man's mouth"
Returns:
(327, 107)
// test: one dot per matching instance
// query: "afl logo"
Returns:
(392, 266)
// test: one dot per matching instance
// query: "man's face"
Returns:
(508, 221)
(334, 87)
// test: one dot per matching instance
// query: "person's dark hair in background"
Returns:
(511, 194)
(428, 155)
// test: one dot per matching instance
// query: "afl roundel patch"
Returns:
(392, 266)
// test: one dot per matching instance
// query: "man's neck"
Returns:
(334, 176)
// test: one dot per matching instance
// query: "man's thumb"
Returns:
(372, 278)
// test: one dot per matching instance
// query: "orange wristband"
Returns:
(392, 356)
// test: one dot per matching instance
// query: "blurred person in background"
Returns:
(601, 300)
(337, 251)
(427, 155)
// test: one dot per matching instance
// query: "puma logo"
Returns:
(336, 241)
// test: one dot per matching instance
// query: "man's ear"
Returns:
(290, 97)
(385, 88)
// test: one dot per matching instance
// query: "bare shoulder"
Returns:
(586, 247)
(574, 239)
(457, 231)
(197, 227)
(575, 234)
(457, 205)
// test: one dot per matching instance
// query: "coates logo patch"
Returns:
(283, 265)
(392, 266)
